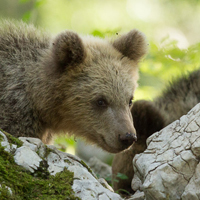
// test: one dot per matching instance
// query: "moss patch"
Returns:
(12, 140)
(25, 185)
(85, 165)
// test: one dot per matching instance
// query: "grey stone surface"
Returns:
(99, 168)
(137, 196)
(27, 158)
(169, 167)
(192, 190)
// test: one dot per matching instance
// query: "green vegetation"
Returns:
(40, 185)
(164, 63)
(12, 140)
(65, 143)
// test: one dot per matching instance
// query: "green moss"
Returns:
(6, 156)
(12, 140)
(25, 185)
(48, 151)
(85, 165)
(42, 171)
(67, 161)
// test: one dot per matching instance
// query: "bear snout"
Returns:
(127, 139)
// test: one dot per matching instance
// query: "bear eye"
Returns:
(102, 103)
(131, 101)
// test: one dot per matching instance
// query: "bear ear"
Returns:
(68, 50)
(132, 45)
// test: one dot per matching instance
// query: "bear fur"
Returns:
(176, 100)
(71, 84)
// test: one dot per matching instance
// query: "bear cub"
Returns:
(73, 84)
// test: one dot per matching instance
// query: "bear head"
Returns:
(96, 80)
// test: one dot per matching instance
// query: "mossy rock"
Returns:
(39, 185)
(11, 139)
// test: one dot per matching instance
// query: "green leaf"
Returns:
(122, 176)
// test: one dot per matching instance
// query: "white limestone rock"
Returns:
(169, 167)
(4, 142)
(101, 169)
(137, 196)
(192, 190)
(89, 189)
(27, 158)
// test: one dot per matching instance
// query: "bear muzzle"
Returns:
(127, 139)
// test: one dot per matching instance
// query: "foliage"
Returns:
(65, 144)
(164, 62)
(117, 177)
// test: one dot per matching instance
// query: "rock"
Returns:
(137, 196)
(38, 159)
(4, 142)
(169, 167)
(90, 189)
(85, 151)
(105, 184)
(27, 158)
(101, 169)
(192, 190)
(136, 183)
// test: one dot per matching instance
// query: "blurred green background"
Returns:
(172, 28)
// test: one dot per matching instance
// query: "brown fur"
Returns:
(147, 120)
(73, 84)
(128, 47)
(176, 100)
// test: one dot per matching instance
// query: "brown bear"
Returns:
(73, 84)
(177, 99)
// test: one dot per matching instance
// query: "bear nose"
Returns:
(127, 139)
